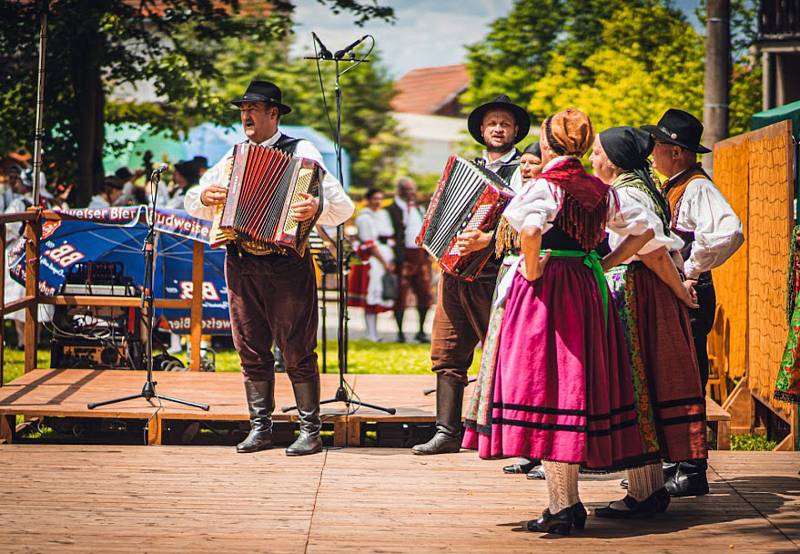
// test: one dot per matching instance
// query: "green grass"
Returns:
(363, 357)
(752, 443)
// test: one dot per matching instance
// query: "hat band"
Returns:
(259, 98)
(670, 134)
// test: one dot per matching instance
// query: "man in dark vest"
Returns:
(412, 263)
(462, 311)
(271, 293)
(705, 221)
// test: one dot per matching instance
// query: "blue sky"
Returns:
(426, 33)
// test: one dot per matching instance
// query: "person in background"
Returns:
(375, 236)
(184, 177)
(412, 264)
(110, 192)
(23, 199)
(201, 164)
(129, 177)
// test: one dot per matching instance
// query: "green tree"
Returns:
(650, 59)
(97, 45)
(624, 62)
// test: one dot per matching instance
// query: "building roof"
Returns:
(247, 8)
(429, 89)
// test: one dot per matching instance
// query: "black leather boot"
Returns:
(260, 403)
(687, 484)
(307, 397)
(449, 397)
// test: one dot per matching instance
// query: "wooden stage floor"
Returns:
(65, 393)
(209, 499)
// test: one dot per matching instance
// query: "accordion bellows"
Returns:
(467, 197)
(264, 183)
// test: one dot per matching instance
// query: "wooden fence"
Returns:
(755, 172)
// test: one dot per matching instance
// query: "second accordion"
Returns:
(264, 183)
(467, 197)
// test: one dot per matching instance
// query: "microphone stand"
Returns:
(342, 392)
(148, 305)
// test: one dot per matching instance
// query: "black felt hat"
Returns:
(189, 170)
(502, 102)
(263, 91)
(679, 128)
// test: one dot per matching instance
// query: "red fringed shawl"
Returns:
(585, 208)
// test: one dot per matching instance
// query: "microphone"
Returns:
(324, 53)
(159, 170)
(340, 53)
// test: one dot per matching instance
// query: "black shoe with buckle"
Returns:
(649, 507)
(560, 523)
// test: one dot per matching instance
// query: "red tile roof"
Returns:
(247, 8)
(429, 89)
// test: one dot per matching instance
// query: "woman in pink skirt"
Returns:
(563, 389)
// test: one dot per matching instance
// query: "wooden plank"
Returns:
(353, 432)
(99, 498)
(340, 432)
(116, 301)
(17, 217)
(714, 411)
(154, 430)
(33, 230)
(196, 319)
(16, 305)
(723, 435)
(7, 423)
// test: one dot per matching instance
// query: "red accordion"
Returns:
(264, 183)
(467, 197)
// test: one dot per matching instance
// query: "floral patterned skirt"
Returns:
(787, 386)
(666, 378)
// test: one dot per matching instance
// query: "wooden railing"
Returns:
(33, 220)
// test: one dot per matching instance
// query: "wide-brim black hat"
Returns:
(263, 91)
(502, 102)
(679, 128)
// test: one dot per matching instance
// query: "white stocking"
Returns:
(642, 482)
(372, 326)
(562, 485)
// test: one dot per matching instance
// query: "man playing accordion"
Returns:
(462, 311)
(272, 294)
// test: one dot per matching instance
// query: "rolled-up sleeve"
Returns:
(535, 206)
(336, 205)
(214, 176)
